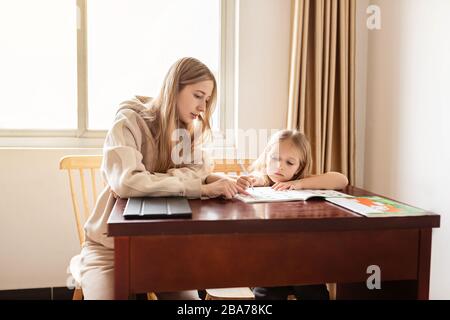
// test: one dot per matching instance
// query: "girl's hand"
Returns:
(246, 181)
(290, 185)
(224, 187)
(114, 195)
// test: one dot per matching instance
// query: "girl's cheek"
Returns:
(271, 168)
(274, 178)
(268, 166)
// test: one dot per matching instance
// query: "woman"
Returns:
(139, 160)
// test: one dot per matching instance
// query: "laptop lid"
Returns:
(157, 208)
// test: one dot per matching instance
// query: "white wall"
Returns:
(37, 230)
(362, 39)
(264, 48)
(407, 149)
(37, 227)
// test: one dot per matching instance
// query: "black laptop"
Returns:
(157, 208)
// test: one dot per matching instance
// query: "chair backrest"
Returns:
(81, 188)
(227, 166)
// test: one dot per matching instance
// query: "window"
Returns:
(64, 74)
(38, 64)
(133, 43)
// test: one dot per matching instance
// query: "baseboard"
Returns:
(56, 293)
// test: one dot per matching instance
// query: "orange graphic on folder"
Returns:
(373, 206)
(377, 205)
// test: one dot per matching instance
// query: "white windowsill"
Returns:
(67, 142)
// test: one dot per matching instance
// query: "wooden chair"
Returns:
(80, 165)
(76, 167)
(87, 194)
(229, 166)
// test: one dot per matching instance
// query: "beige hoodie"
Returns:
(129, 154)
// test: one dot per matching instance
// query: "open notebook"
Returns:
(267, 194)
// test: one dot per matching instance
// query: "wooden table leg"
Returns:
(122, 268)
(411, 289)
(423, 274)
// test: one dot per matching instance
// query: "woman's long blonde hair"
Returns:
(300, 141)
(163, 110)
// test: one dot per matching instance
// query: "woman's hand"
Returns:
(246, 181)
(227, 188)
(290, 185)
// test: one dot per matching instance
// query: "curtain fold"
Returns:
(322, 81)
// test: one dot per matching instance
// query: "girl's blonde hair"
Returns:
(164, 114)
(300, 141)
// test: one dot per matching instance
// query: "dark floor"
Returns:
(60, 293)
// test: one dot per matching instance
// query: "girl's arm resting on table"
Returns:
(329, 180)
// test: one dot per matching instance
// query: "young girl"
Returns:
(285, 164)
(138, 161)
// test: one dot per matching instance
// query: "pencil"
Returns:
(244, 170)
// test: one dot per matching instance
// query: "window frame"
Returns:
(84, 137)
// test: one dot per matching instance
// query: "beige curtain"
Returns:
(322, 81)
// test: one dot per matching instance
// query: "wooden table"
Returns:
(228, 243)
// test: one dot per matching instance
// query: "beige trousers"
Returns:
(97, 275)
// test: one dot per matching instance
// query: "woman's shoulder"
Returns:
(136, 105)
(137, 113)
